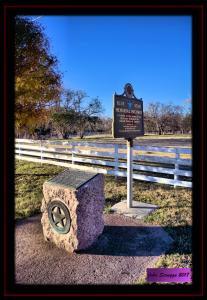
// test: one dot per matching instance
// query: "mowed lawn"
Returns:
(174, 213)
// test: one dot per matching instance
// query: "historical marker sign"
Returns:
(127, 115)
(128, 124)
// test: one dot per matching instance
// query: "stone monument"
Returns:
(72, 209)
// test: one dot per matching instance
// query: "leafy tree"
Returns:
(37, 81)
(63, 121)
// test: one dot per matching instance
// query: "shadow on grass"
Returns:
(114, 199)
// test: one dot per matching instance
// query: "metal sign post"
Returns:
(129, 172)
(128, 124)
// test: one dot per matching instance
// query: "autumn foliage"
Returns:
(37, 80)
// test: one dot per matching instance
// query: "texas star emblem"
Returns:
(129, 105)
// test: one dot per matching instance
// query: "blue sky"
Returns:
(100, 54)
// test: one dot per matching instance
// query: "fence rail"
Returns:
(163, 165)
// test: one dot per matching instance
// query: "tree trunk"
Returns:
(64, 135)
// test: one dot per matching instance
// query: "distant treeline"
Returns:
(65, 123)
(162, 118)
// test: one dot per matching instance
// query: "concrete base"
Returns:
(139, 210)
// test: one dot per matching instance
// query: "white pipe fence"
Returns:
(154, 164)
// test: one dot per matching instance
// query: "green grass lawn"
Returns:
(29, 178)
(174, 213)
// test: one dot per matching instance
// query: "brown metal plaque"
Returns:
(127, 117)
(72, 178)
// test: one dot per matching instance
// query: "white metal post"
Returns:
(19, 150)
(116, 159)
(176, 177)
(129, 173)
(73, 149)
(41, 150)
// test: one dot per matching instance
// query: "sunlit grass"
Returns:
(29, 179)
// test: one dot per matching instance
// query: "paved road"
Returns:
(120, 255)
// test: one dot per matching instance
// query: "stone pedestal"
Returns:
(72, 209)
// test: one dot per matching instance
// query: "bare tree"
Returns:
(79, 115)
(187, 122)
(105, 125)
(164, 118)
(154, 114)
(149, 123)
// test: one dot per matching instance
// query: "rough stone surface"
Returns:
(121, 254)
(85, 205)
(138, 210)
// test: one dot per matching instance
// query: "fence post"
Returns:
(116, 159)
(73, 155)
(176, 176)
(41, 151)
(19, 150)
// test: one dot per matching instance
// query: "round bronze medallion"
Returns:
(59, 216)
